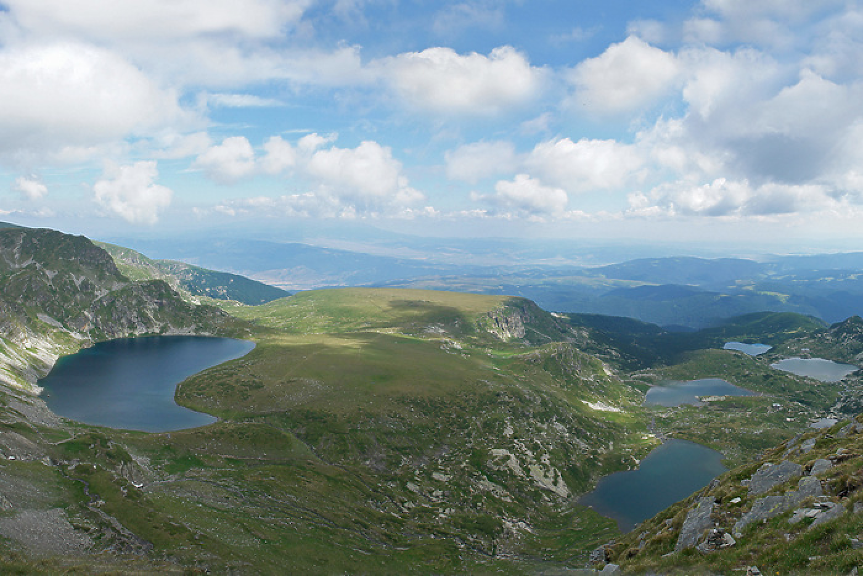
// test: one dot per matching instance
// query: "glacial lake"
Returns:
(751, 349)
(677, 393)
(817, 368)
(667, 475)
(130, 383)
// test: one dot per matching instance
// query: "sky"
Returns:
(674, 121)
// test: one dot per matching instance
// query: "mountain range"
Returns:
(388, 430)
(674, 291)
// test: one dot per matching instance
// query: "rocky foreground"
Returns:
(797, 511)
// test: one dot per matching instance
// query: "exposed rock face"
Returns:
(521, 319)
(820, 466)
(13, 446)
(772, 506)
(848, 430)
(507, 324)
(697, 521)
(822, 512)
(769, 476)
(45, 533)
(60, 292)
(599, 555)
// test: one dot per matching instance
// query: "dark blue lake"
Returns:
(677, 393)
(669, 474)
(130, 383)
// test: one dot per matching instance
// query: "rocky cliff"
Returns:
(522, 319)
(59, 293)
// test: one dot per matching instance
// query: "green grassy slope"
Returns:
(473, 437)
(370, 431)
(192, 280)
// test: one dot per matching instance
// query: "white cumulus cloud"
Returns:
(131, 21)
(732, 199)
(279, 156)
(442, 80)
(31, 188)
(627, 76)
(367, 175)
(585, 165)
(528, 195)
(130, 192)
(363, 180)
(229, 161)
(75, 95)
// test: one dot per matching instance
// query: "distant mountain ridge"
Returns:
(193, 280)
(292, 265)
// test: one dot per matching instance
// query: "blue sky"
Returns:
(673, 121)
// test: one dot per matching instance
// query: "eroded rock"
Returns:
(808, 445)
(697, 521)
(14, 446)
(771, 475)
(828, 514)
(820, 466)
(45, 533)
(772, 506)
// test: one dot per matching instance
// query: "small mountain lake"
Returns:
(677, 393)
(130, 383)
(751, 349)
(669, 474)
(817, 368)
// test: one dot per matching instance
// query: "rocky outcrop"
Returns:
(13, 446)
(697, 521)
(771, 475)
(820, 466)
(521, 319)
(805, 498)
(507, 324)
(822, 511)
(774, 505)
(45, 533)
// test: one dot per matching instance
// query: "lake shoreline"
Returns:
(131, 383)
(665, 476)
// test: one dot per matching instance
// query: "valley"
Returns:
(371, 429)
